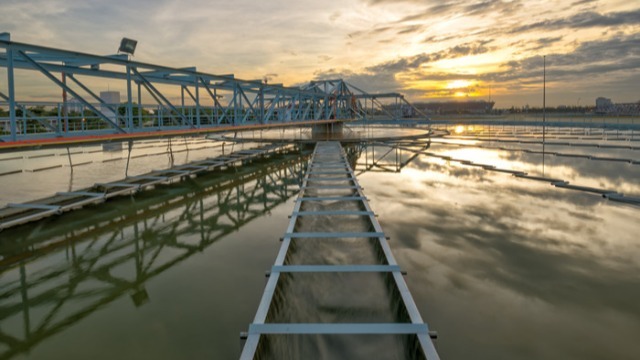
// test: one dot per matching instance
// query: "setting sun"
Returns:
(457, 84)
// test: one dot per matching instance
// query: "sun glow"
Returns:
(459, 129)
(458, 84)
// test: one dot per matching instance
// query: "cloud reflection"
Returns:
(491, 242)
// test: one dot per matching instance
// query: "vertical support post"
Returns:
(299, 107)
(261, 94)
(395, 108)
(65, 109)
(326, 107)
(59, 121)
(235, 102)
(182, 101)
(129, 101)
(197, 104)
(544, 94)
(215, 106)
(544, 105)
(12, 94)
(139, 104)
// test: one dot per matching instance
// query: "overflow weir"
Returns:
(19, 214)
(335, 290)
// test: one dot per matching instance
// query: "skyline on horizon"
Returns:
(427, 50)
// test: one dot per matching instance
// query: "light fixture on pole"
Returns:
(128, 46)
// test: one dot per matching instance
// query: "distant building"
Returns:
(112, 98)
(74, 105)
(443, 107)
(605, 106)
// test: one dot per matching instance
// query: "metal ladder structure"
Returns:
(330, 194)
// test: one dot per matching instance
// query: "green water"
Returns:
(501, 267)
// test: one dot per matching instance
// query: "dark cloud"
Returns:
(589, 57)
(409, 29)
(542, 43)
(433, 11)
(582, 2)
(460, 9)
(583, 20)
(492, 6)
(549, 40)
(588, 18)
(415, 22)
(436, 39)
(383, 77)
(416, 61)
(614, 62)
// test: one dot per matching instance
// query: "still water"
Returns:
(501, 267)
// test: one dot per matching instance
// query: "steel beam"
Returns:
(153, 89)
(70, 91)
(12, 94)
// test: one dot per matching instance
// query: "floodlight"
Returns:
(128, 46)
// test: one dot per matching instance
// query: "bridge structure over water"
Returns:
(160, 100)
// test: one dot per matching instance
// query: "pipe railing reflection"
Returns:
(610, 194)
(387, 156)
(146, 233)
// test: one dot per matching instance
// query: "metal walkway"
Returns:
(346, 280)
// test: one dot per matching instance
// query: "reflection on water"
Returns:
(58, 274)
(40, 173)
(510, 268)
(350, 133)
(562, 162)
(501, 267)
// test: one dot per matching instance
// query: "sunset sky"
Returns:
(428, 50)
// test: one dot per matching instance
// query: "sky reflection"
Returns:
(610, 175)
(513, 268)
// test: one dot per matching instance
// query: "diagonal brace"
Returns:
(70, 91)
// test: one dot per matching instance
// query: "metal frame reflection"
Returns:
(393, 156)
(145, 235)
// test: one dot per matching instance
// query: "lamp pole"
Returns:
(544, 96)
(544, 105)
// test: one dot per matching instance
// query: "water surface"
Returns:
(501, 267)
